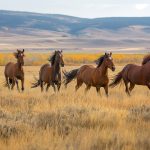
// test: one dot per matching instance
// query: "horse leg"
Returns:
(148, 85)
(98, 91)
(41, 85)
(53, 85)
(127, 89)
(13, 84)
(17, 85)
(59, 81)
(87, 88)
(48, 85)
(106, 90)
(131, 86)
(79, 83)
(22, 84)
(58, 86)
(7, 82)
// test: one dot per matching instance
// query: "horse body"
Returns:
(45, 73)
(135, 75)
(14, 71)
(51, 74)
(92, 76)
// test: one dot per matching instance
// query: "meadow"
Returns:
(36, 59)
(71, 120)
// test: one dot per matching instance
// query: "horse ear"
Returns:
(61, 51)
(18, 50)
(110, 53)
(105, 53)
(23, 50)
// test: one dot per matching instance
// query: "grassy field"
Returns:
(73, 121)
(36, 59)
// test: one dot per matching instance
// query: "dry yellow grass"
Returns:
(35, 59)
(73, 121)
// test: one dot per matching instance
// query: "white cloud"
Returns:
(141, 6)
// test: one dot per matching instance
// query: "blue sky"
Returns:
(81, 8)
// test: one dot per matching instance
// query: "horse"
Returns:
(51, 74)
(14, 71)
(92, 76)
(134, 74)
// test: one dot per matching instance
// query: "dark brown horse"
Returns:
(91, 76)
(14, 71)
(51, 74)
(134, 74)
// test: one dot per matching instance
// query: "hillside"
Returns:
(34, 30)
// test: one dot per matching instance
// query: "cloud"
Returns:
(141, 6)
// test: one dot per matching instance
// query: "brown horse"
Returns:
(51, 74)
(91, 76)
(14, 71)
(134, 74)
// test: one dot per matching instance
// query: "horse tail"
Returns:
(36, 83)
(117, 79)
(69, 76)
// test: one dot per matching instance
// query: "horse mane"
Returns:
(99, 61)
(16, 53)
(146, 59)
(52, 58)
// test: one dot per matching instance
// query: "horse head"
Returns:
(20, 56)
(108, 60)
(59, 57)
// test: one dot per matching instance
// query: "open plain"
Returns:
(71, 120)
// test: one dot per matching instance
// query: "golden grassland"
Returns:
(73, 121)
(36, 59)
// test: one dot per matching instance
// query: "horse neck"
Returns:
(19, 65)
(56, 67)
(103, 69)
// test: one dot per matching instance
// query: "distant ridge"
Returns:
(73, 25)
(68, 31)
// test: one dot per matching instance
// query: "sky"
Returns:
(81, 8)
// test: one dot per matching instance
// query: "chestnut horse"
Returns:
(91, 76)
(14, 71)
(135, 75)
(51, 74)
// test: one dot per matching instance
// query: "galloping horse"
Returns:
(14, 71)
(51, 74)
(91, 76)
(134, 74)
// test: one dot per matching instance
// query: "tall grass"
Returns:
(72, 120)
(35, 59)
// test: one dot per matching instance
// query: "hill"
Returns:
(34, 30)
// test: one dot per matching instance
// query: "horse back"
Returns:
(86, 69)
(87, 74)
